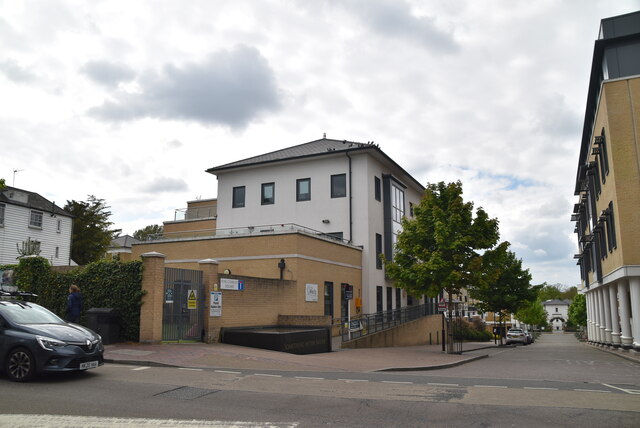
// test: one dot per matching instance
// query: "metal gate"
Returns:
(183, 309)
(454, 336)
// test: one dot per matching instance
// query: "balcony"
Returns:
(196, 213)
(236, 232)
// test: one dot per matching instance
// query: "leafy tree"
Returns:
(91, 229)
(145, 232)
(438, 248)
(549, 292)
(578, 310)
(2, 183)
(503, 286)
(569, 293)
(532, 313)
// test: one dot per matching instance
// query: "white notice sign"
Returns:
(311, 294)
(215, 307)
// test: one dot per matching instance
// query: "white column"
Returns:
(615, 319)
(594, 316)
(625, 323)
(600, 312)
(607, 314)
(587, 296)
(634, 291)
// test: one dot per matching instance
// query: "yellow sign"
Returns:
(192, 300)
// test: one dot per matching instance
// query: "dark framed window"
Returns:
(268, 193)
(328, 298)
(303, 189)
(611, 228)
(601, 151)
(238, 197)
(378, 251)
(2, 214)
(398, 298)
(339, 186)
(35, 219)
(377, 188)
(378, 298)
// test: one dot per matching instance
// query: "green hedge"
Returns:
(104, 284)
(463, 330)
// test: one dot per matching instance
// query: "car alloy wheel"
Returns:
(20, 365)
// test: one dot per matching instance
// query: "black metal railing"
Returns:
(366, 324)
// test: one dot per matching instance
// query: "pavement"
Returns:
(225, 356)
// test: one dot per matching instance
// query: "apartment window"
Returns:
(59, 226)
(397, 212)
(377, 188)
(339, 186)
(303, 189)
(328, 298)
(398, 298)
(57, 252)
(378, 251)
(238, 197)
(378, 298)
(601, 144)
(611, 228)
(268, 193)
(35, 219)
(2, 215)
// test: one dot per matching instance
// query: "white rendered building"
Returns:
(351, 191)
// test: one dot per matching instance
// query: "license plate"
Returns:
(88, 365)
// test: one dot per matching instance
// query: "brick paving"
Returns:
(225, 356)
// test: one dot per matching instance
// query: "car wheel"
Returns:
(20, 365)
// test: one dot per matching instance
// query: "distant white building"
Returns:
(27, 216)
(557, 312)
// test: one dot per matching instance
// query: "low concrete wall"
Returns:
(423, 331)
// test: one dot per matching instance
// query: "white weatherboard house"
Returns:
(26, 215)
(557, 312)
(352, 191)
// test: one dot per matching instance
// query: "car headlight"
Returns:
(49, 343)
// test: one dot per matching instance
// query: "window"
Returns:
(57, 252)
(328, 298)
(376, 188)
(601, 149)
(303, 189)
(611, 229)
(238, 196)
(2, 215)
(411, 209)
(339, 186)
(378, 298)
(35, 220)
(268, 193)
(397, 212)
(378, 251)
(59, 226)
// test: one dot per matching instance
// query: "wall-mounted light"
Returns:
(326, 221)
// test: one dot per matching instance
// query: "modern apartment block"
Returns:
(607, 214)
(350, 191)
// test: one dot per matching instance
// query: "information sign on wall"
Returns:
(311, 294)
(231, 284)
(215, 308)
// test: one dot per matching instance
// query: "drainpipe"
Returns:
(350, 202)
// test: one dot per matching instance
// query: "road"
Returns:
(554, 382)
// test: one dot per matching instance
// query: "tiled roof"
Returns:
(124, 241)
(314, 148)
(30, 200)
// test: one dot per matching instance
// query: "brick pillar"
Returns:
(152, 301)
(209, 268)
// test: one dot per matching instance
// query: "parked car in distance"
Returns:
(530, 337)
(34, 340)
(517, 335)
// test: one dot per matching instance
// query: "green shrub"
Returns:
(104, 284)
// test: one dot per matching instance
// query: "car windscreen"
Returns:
(28, 313)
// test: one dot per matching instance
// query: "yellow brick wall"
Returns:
(423, 331)
(198, 227)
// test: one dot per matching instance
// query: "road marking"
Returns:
(489, 386)
(544, 389)
(443, 384)
(354, 380)
(226, 371)
(188, 368)
(141, 368)
(592, 390)
(309, 378)
(393, 381)
(628, 391)
(267, 375)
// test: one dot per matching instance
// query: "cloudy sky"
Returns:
(132, 101)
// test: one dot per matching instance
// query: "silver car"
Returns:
(517, 335)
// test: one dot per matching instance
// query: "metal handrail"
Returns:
(366, 324)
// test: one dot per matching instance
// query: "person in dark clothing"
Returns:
(74, 304)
